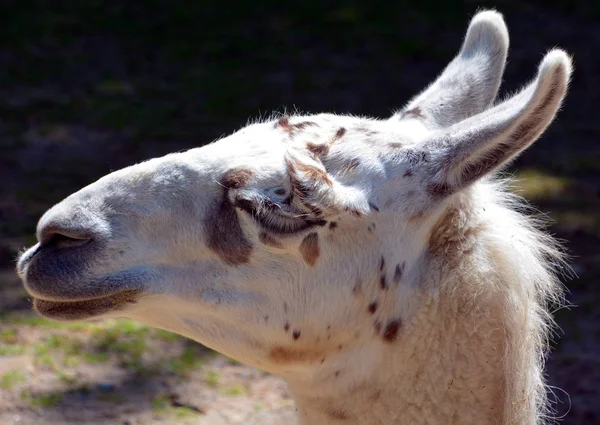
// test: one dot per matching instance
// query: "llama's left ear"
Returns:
(472, 148)
(470, 83)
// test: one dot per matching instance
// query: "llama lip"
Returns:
(78, 310)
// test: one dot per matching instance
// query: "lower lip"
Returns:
(78, 310)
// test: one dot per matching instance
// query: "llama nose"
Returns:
(62, 236)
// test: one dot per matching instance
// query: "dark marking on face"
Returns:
(332, 225)
(323, 360)
(266, 318)
(340, 347)
(313, 173)
(309, 249)
(269, 240)
(288, 355)
(296, 334)
(391, 330)
(354, 212)
(382, 264)
(373, 206)
(286, 327)
(337, 373)
(398, 272)
(223, 231)
(383, 281)
(340, 133)
(373, 307)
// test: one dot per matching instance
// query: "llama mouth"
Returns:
(79, 310)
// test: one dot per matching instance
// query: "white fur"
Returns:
(477, 275)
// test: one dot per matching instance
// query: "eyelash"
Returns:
(279, 219)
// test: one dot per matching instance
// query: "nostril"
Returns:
(61, 238)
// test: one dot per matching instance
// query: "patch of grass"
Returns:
(38, 321)
(11, 350)
(160, 402)
(49, 399)
(8, 336)
(11, 378)
(236, 390)
(188, 361)
(212, 378)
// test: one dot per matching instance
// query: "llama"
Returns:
(378, 266)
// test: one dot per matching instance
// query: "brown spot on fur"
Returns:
(333, 225)
(373, 307)
(318, 150)
(269, 240)
(391, 330)
(340, 133)
(266, 318)
(224, 233)
(413, 113)
(296, 334)
(398, 272)
(313, 173)
(383, 281)
(287, 355)
(309, 249)
(338, 414)
(285, 124)
(286, 327)
(382, 264)
(407, 173)
(236, 178)
(377, 326)
(337, 373)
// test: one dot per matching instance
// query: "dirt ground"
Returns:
(90, 87)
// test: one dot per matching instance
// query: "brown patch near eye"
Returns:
(391, 330)
(269, 240)
(286, 355)
(236, 178)
(224, 233)
(309, 249)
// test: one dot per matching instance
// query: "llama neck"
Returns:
(468, 353)
(436, 372)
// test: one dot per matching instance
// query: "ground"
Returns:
(89, 87)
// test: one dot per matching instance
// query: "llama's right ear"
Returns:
(480, 145)
(469, 84)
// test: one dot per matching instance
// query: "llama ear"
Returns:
(470, 83)
(467, 151)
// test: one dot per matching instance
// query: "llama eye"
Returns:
(280, 192)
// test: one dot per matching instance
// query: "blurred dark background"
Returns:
(87, 87)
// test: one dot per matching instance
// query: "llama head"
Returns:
(272, 245)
